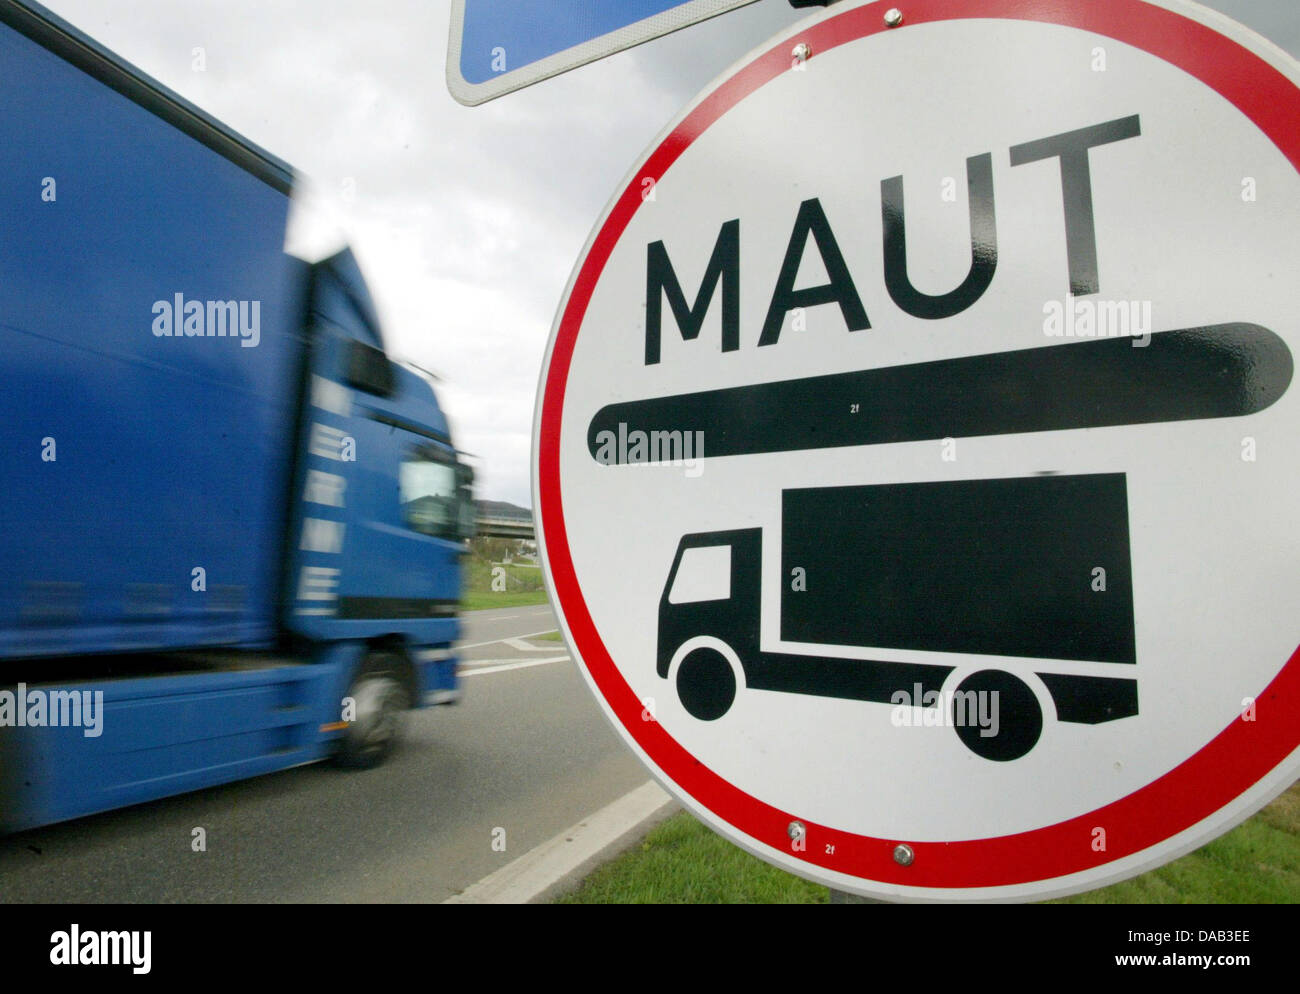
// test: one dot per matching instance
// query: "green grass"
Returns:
(1258, 862)
(523, 585)
(548, 637)
(683, 862)
(474, 600)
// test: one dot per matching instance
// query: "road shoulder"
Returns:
(561, 862)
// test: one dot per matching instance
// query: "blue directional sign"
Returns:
(501, 45)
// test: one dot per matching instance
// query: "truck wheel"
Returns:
(380, 700)
(1017, 718)
(706, 683)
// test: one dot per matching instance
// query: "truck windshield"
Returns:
(704, 574)
(429, 495)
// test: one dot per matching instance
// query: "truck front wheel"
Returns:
(706, 683)
(379, 701)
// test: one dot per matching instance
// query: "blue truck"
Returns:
(231, 527)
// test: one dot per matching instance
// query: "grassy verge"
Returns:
(683, 862)
(1258, 862)
(474, 600)
(548, 637)
(489, 583)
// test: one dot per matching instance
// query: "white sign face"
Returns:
(916, 453)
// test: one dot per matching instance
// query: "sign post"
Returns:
(915, 450)
(497, 46)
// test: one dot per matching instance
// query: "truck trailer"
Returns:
(232, 525)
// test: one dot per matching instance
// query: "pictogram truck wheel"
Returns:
(706, 683)
(1014, 716)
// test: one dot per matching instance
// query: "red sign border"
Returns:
(1235, 760)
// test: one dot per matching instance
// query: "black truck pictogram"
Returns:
(995, 567)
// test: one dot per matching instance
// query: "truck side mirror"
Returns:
(369, 369)
(467, 526)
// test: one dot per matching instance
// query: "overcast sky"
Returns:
(467, 221)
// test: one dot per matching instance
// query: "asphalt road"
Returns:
(527, 751)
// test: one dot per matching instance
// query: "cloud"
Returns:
(467, 221)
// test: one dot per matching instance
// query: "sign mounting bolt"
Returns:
(903, 854)
(893, 17)
(795, 830)
(801, 52)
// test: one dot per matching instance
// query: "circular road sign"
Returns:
(915, 454)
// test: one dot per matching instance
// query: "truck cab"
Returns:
(381, 503)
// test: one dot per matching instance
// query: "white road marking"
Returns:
(526, 635)
(523, 646)
(478, 664)
(580, 847)
(501, 665)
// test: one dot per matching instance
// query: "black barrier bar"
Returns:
(1219, 371)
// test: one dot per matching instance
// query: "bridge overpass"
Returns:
(501, 519)
(497, 526)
